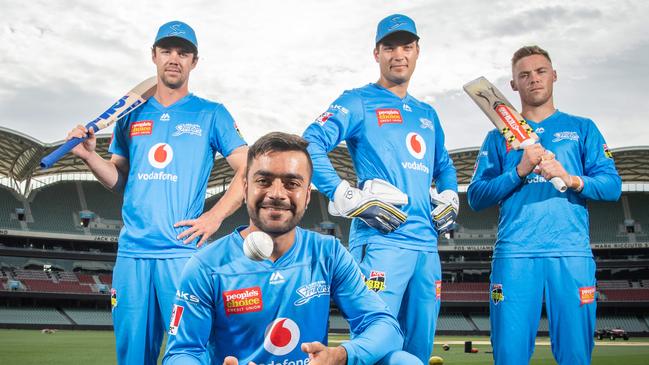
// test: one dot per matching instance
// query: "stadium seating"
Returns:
(453, 322)
(90, 316)
(605, 218)
(639, 208)
(625, 295)
(8, 205)
(54, 208)
(465, 292)
(628, 322)
(620, 284)
(481, 321)
(338, 324)
(44, 316)
(101, 201)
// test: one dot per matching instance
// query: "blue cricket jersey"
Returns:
(171, 152)
(398, 140)
(535, 219)
(262, 311)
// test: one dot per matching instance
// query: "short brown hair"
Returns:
(278, 142)
(528, 51)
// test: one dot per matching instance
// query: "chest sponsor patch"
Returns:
(141, 128)
(388, 116)
(376, 281)
(242, 301)
(586, 295)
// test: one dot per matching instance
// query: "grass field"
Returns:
(27, 347)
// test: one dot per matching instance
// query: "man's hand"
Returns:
(231, 360)
(446, 206)
(203, 226)
(87, 148)
(373, 205)
(532, 156)
(320, 354)
(549, 168)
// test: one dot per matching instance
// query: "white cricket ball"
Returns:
(258, 246)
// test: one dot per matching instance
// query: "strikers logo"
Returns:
(388, 116)
(497, 295)
(376, 281)
(176, 316)
(438, 289)
(160, 155)
(586, 295)
(416, 145)
(281, 336)
(141, 128)
(243, 301)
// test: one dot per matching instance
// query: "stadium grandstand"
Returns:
(59, 229)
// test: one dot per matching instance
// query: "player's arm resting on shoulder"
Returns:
(491, 182)
(375, 204)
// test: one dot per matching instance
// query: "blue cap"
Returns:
(395, 23)
(177, 29)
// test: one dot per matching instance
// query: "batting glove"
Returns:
(374, 205)
(446, 206)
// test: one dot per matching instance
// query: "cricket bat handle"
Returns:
(49, 160)
(559, 184)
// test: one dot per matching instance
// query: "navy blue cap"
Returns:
(395, 23)
(176, 29)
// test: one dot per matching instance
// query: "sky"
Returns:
(277, 65)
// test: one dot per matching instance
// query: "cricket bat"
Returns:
(505, 117)
(122, 107)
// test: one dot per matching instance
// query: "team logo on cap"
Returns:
(416, 145)
(281, 336)
(160, 155)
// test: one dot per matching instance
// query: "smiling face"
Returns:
(533, 77)
(277, 189)
(174, 62)
(397, 57)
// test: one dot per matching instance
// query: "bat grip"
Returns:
(49, 160)
(559, 184)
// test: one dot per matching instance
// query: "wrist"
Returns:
(340, 355)
(576, 183)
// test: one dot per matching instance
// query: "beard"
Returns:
(269, 225)
(174, 83)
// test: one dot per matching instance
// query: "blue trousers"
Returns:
(518, 287)
(143, 294)
(410, 284)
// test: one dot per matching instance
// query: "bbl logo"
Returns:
(113, 298)
(497, 293)
(376, 281)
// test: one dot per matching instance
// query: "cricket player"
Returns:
(162, 155)
(543, 246)
(230, 308)
(397, 146)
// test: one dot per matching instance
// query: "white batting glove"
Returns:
(374, 205)
(446, 206)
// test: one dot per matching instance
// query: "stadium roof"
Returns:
(20, 156)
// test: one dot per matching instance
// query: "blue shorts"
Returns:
(142, 296)
(409, 282)
(518, 287)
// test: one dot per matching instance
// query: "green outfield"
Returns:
(26, 347)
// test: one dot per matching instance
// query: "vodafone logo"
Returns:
(281, 336)
(160, 155)
(416, 145)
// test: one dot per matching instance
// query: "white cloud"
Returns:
(277, 65)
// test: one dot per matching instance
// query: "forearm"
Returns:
(484, 193)
(231, 199)
(377, 340)
(106, 172)
(606, 187)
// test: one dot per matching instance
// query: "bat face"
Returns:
(501, 113)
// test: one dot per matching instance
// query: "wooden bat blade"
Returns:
(500, 112)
